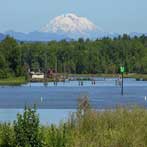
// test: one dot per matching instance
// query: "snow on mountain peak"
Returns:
(70, 23)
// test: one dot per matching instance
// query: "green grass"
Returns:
(121, 127)
(13, 81)
(137, 76)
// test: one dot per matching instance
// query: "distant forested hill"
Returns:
(100, 56)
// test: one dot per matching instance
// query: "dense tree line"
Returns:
(83, 56)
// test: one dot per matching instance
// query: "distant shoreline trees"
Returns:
(81, 57)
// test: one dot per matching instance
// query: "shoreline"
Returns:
(13, 81)
(16, 81)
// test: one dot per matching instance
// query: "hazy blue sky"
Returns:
(111, 15)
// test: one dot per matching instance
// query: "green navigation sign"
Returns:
(122, 69)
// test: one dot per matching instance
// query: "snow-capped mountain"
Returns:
(73, 26)
(68, 26)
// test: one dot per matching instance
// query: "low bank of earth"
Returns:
(130, 75)
(13, 81)
(21, 80)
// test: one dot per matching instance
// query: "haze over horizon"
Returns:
(113, 15)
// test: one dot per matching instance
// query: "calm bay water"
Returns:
(56, 102)
(47, 116)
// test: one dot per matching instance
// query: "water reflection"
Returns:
(90, 83)
(47, 116)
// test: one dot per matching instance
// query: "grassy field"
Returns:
(13, 81)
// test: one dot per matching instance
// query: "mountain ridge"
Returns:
(2, 36)
(66, 27)
(36, 36)
(44, 37)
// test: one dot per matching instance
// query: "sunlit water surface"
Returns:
(55, 103)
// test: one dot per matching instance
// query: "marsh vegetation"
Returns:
(120, 127)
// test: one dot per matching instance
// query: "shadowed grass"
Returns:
(13, 81)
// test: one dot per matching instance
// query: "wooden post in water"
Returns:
(122, 85)
(122, 69)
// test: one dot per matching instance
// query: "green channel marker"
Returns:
(122, 69)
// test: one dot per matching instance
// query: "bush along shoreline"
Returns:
(122, 127)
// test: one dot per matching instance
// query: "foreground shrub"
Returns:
(6, 135)
(26, 129)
